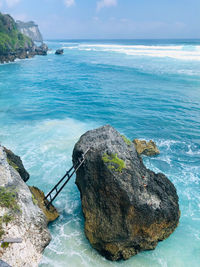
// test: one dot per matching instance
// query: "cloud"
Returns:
(69, 3)
(105, 3)
(11, 3)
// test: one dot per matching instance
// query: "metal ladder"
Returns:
(50, 197)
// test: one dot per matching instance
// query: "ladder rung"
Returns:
(73, 169)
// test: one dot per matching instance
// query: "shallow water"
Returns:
(146, 89)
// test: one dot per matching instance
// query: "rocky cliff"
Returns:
(14, 44)
(127, 207)
(20, 215)
(30, 29)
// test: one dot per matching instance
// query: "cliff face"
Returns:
(127, 207)
(20, 216)
(14, 44)
(30, 29)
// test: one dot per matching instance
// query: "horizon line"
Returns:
(52, 39)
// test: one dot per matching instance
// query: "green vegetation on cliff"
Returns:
(10, 37)
(7, 200)
(114, 163)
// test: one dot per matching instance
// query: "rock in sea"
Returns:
(41, 50)
(146, 148)
(59, 51)
(127, 207)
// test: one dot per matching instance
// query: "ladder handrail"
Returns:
(67, 174)
(58, 183)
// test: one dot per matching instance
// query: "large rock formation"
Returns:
(20, 216)
(30, 29)
(14, 44)
(127, 207)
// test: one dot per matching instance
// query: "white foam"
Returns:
(180, 52)
(46, 146)
(167, 143)
(50, 52)
(192, 152)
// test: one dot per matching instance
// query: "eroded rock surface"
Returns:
(17, 164)
(20, 217)
(146, 148)
(127, 208)
(38, 196)
(30, 29)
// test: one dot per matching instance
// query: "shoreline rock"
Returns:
(17, 164)
(51, 214)
(24, 53)
(20, 215)
(146, 148)
(127, 207)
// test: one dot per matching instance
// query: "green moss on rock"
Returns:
(5, 245)
(126, 140)
(11, 163)
(1, 231)
(7, 218)
(114, 163)
(35, 202)
(8, 198)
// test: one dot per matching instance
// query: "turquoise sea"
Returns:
(146, 89)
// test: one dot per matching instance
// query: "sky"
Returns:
(109, 19)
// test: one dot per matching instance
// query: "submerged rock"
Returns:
(59, 51)
(146, 148)
(127, 207)
(20, 216)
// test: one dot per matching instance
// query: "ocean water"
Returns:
(146, 89)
